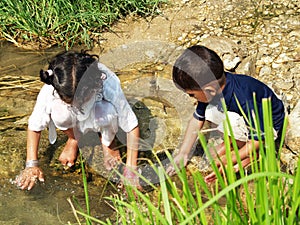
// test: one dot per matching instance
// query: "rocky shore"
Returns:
(257, 38)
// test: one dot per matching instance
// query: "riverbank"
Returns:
(260, 39)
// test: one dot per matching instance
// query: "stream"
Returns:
(150, 92)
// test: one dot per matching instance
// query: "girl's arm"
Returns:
(33, 139)
(130, 170)
(132, 147)
(29, 176)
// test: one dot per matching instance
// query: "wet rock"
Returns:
(164, 113)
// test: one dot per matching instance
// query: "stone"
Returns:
(247, 66)
(226, 49)
(293, 133)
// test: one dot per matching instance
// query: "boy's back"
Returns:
(244, 88)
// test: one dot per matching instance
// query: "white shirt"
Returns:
(48, 101)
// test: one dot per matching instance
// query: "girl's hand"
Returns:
(130, 178)
(180, 157)
(28, 177)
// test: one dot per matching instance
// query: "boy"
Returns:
(199, 72)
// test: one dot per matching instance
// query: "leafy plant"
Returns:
(270, 195)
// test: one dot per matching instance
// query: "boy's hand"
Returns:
(28, 178)
(180, 157)
(244, 154)
(212, 176)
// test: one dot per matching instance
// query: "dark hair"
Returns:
(66, 70)
(196, 67)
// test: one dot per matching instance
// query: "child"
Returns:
(199, 72)
(80, 95)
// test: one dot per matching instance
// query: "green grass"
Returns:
(271, 196)
(65, 22)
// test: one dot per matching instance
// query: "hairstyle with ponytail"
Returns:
(65, 72)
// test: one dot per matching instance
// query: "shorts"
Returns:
(237, 122)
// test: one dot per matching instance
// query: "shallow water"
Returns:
(45, 203)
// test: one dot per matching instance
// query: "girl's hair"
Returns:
(65, 71)
(196, 67)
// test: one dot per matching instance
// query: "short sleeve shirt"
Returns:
(242, 89)
(112, 92)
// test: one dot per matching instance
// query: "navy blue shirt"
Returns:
(242, 87)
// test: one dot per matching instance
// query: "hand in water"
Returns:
(131, 178)
(180, 157)
(28, 178)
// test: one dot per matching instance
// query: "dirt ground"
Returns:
(176, 17)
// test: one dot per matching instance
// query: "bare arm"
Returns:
(33, 139)
(190, 137)
(130, 173)
(244, 153)
(132, 147)
(28, 177)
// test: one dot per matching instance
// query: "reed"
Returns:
(271, 196)
(65, 22)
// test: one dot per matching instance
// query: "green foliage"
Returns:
(65, 22)
(270, 196)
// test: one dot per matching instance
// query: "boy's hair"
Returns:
(65, 71)
(196, 67)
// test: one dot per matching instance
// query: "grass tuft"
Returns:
(42, 24)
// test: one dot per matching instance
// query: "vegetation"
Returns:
(42, 23)
(270, 196)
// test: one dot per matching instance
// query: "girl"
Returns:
(80, 94)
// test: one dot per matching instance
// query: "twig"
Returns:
(11, 117)
(74, 210)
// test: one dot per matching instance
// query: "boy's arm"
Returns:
(190, 137)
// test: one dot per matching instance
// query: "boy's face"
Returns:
(204, 95)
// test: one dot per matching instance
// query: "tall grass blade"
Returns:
(232, 186)
(165, 198)
(85, 186)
